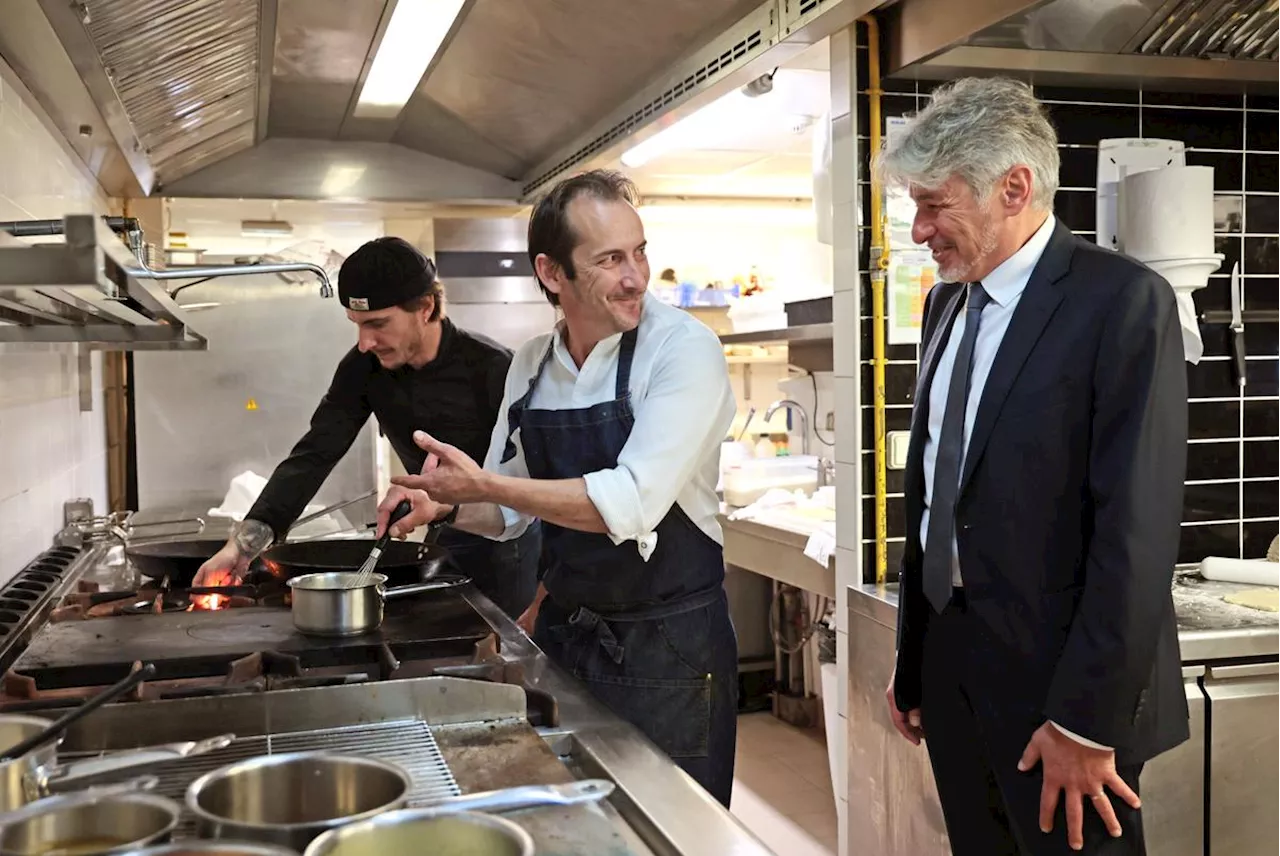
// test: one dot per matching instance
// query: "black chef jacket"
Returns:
(455, 398)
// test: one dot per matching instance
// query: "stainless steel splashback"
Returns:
(205, 417)
(1213, 45)
(488, 280)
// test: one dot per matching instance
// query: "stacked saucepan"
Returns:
(317, 803)
(312, 803)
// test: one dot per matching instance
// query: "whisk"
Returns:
(364, 576)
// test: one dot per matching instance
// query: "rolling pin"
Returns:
(1255, 571)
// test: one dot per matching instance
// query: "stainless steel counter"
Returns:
(656, 808)
(776, 553)
(1215, 793)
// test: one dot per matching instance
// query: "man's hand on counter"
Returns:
(425, 510)
(1082, 771)
(529, 618)
(449, 475)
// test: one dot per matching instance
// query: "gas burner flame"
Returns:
(208, 602)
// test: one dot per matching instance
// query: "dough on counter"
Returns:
(1266, 599)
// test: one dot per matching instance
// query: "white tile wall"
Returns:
(49, 450)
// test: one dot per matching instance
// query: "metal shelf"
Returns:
(806, 333)
(88, 290)
(92, 291)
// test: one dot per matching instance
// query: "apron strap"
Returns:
(518, 406)
(626, 353)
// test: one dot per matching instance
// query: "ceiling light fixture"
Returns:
(265, 228)
(757, 104)
(414, 34)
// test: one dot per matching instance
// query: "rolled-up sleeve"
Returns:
(685, 413)
(517, 382)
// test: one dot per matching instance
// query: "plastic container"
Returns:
(747, 481)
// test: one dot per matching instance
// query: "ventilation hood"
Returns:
(1211, 45)
(259, 98)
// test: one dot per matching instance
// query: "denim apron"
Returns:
(652, 640)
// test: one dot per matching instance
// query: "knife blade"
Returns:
(1237, 325)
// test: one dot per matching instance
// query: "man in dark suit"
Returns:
(1037, 643)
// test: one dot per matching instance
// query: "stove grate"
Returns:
(408, 743)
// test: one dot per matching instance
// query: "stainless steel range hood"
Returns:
(92, 291)
(1211, 45)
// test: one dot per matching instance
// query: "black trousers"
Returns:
(974, 744)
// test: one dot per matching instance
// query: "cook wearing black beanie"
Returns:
(414, 370)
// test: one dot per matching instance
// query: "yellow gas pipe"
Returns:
(880, 267)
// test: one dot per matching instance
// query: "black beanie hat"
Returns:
(385, 272)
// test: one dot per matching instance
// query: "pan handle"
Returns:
(74, 773)
(527, 796)
(332, 508)
(437, 584)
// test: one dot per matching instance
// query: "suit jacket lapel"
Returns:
(1039, 301)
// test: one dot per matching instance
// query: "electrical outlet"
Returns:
(831, 421)
(897, 442)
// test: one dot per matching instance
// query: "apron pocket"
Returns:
(675, 714)
(653, 687)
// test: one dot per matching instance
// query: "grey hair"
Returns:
(976, 129)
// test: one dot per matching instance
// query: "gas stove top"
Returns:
(91, 617)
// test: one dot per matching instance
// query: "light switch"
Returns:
(897, 442)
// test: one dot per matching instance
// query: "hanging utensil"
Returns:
(365, 574)
(1237, 325)
(58, 728)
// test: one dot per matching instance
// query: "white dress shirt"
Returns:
(683, 406)
(1004, 286)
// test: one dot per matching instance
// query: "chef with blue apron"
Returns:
(611, 437)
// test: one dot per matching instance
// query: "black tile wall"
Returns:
(1232, 491)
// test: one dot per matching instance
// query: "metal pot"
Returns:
(453, 825)
(38, 774)
(88, 823)
(290, 799)
(213, 848)
(329, 605)
(414, 831)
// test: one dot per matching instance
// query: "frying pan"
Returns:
(403, 562)
(178, 560)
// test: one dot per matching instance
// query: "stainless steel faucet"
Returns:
(795, 407)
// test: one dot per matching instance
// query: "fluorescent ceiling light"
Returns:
(725, 121)
(415, 32)
(339, 179)
(714, 122)
(265, 228)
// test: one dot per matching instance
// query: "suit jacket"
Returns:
(1070, 503)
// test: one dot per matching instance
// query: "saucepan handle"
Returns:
(527, 796)
(439, 583)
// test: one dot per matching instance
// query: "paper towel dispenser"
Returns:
(1155, 208)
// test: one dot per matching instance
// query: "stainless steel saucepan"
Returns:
(456, 826)
(419, 831)
(108, 820)
(291, 798)
(38, 774)
(213, 848)
(330, 605)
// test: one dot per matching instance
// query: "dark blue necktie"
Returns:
(946, 469)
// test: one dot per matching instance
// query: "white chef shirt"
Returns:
(683, 406)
